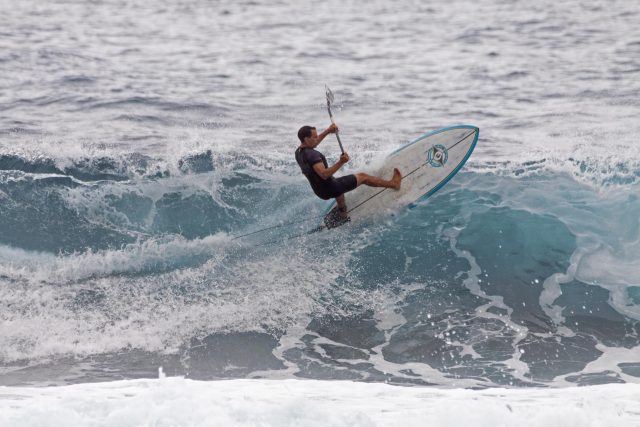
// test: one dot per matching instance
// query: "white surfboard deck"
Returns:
(426, 164)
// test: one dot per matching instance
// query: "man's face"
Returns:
(312, 141)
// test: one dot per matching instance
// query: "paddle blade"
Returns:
(329, 102)
(329, 95)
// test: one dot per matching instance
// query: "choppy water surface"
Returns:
(137, 139)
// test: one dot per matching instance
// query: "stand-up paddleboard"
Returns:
(426, 165)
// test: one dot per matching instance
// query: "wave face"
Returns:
(493, 280)
(122, 194)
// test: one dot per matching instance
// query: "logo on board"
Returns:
(437, 156)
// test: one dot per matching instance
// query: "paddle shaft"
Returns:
(334, 122)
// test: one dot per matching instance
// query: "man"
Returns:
(314, 166)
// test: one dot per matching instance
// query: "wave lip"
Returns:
(150, 256)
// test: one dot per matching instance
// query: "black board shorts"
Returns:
(334, 187)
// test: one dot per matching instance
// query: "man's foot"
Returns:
(397, 179)
(343, 211)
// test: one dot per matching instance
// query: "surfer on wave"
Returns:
(315, 167)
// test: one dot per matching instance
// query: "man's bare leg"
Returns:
(371, 181)
(342, 207)
(374, 181)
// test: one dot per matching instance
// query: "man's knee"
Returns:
(362, 178)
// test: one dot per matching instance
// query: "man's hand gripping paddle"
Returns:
(329, 102)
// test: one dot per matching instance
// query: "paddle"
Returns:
(329, 102)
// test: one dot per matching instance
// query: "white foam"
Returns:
(267, 291)
(177, 401)
(615, 270)
(610, 361)
(154, 254)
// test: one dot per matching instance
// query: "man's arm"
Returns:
(331, 129)
(326, 173)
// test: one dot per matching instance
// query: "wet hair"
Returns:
(304, 132)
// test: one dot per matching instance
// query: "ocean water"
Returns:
(137, 139)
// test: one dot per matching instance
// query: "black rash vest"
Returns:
(324, 188)
(306, 158)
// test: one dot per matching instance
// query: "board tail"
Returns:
(335, 218)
